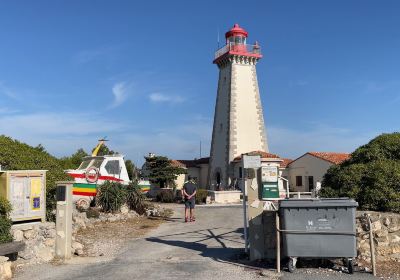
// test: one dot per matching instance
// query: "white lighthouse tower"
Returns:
(238, 119)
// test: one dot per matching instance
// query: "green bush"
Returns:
(135, 199)
(371, 175)
(5, 221)
(111, 196)
(165, 196)
(5, 207)
(201, 196)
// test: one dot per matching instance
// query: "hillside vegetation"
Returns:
(15, 155)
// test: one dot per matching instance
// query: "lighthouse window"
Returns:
(239, 40)
(112, 167)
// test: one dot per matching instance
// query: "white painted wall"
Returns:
(305, 166)
(246, 119)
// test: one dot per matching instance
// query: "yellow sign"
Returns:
(36, 190)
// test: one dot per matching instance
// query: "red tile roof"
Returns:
(286, 162)
(262, 154)
(335, 158)
(177, 163)
(195, 162)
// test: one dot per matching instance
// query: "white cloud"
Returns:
(60, 133)
(161, 97)
(120, 92)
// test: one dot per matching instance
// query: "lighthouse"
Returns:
(238, 119)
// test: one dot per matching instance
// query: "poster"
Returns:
(36, 190)
(17, 197)
(269, 174)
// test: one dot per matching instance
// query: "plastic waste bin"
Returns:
(318, 228)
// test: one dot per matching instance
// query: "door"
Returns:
(36, 196)
(17, 196)
(310, 183)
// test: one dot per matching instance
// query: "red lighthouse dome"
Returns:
(236, 30)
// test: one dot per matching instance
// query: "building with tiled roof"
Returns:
(306, 173)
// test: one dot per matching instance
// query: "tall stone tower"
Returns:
(238, 118)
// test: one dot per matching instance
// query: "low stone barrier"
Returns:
(386, 232)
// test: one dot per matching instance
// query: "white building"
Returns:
(305, 172)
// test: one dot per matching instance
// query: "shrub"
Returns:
(135, 199)
(201, 196)
(5, 221)
(371, 175)
(165, 196)
(111, 196)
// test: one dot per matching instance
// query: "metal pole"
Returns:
(245, 214)
(371, 245)
(278, 243)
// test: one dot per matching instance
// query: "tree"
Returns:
(73, 161)
(131, 169)
(104, 150)
(162, 171)
(371, 175)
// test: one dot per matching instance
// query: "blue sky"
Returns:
(141, 73)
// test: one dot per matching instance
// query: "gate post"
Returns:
(64, 219)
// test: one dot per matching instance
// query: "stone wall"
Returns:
(40, 238)
(386, 232)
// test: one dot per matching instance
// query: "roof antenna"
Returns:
(218, 36)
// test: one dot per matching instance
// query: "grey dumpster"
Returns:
(318, 228)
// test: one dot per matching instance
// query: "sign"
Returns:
(251, 161)
(269, 174)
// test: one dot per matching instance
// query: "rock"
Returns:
(5, 271)
(393, 228)
(124, 209)
(30, 234)
(50, 242)
(381, 233)
(3, 259)
(79, 252)
(77, 246)
(386, 221)
(18, 235)
(376, 225)
(27, 254)
(395, 239)
(112, 219)
(45, 254)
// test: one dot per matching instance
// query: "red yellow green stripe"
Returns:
(84, 189)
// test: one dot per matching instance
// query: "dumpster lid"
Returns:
(318, 203)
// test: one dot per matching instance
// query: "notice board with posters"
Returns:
(26, 191)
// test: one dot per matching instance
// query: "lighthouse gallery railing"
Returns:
(241, 48)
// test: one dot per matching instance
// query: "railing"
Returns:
(241, 48)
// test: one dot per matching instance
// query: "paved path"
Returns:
(205, 249)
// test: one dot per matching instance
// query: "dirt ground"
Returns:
(105, 239)
(386, 269)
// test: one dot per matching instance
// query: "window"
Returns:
(299, 181)
(240, 172)
(112, 167)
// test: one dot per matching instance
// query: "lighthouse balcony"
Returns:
(239, 49)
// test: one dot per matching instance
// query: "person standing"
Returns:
(189, 194)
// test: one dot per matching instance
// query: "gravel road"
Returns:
(207, 249)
